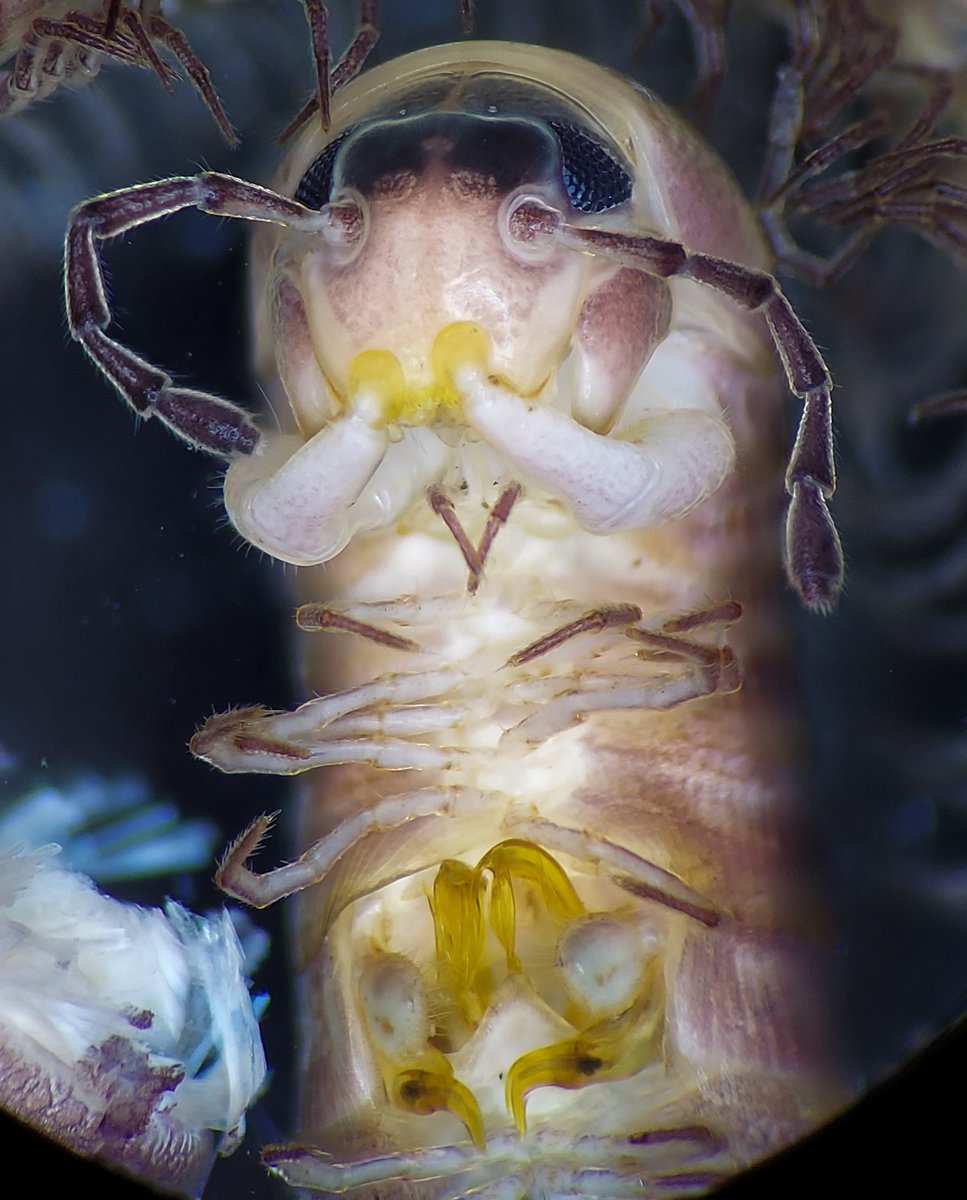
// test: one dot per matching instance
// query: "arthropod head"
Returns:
(428, 259)
(501, 240)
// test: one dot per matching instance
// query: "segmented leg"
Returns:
(838, 47)
(176, 42)
(839, 51)
(504, 1165)
(378, 722)
(41, 66)
(630, 871)
(330, 79)
(716, 667)
(813, 555)
(706, 21)
(239, 881)
(125, 40)
(314, 618)
(205, 421)
(104, 36)
(940, 406)
(702, 671)
(55, 51)
(474, 556)
(557, 710)
(901, 188)
(591, 622)
(366, 724)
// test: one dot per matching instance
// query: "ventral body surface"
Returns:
(560, 938)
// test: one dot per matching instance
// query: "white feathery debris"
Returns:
(126, 1033)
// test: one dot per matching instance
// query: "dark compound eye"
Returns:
(315, 187)
(593, 179)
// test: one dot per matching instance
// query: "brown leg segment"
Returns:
(204, 421)
(813, 554)
(176, 42)
(125, 36)
(591, 622)
(839, 50)
(474, 556)
(314, 618)
(331, 79)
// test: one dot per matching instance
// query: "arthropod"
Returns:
(523, 360)
(690, 666)
(48, 46)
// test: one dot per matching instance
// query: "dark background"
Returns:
(130, 611)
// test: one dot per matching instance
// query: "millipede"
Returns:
(526, 364)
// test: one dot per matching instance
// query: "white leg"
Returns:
(303, 502)
(628, 870)
(679, 457)
(304, 1166)
(605, 693)
(337, 729)
(261, 890)
(292, 500)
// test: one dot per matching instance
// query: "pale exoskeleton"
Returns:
(545, 472)
(153, 496)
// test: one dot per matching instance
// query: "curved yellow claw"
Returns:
(421, 1091)
(516, 858)
(615, 1048)
(458, 924)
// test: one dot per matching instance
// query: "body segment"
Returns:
(562, 746)
(555, 934)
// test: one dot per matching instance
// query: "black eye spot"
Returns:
(315, 187)
(593, 179)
